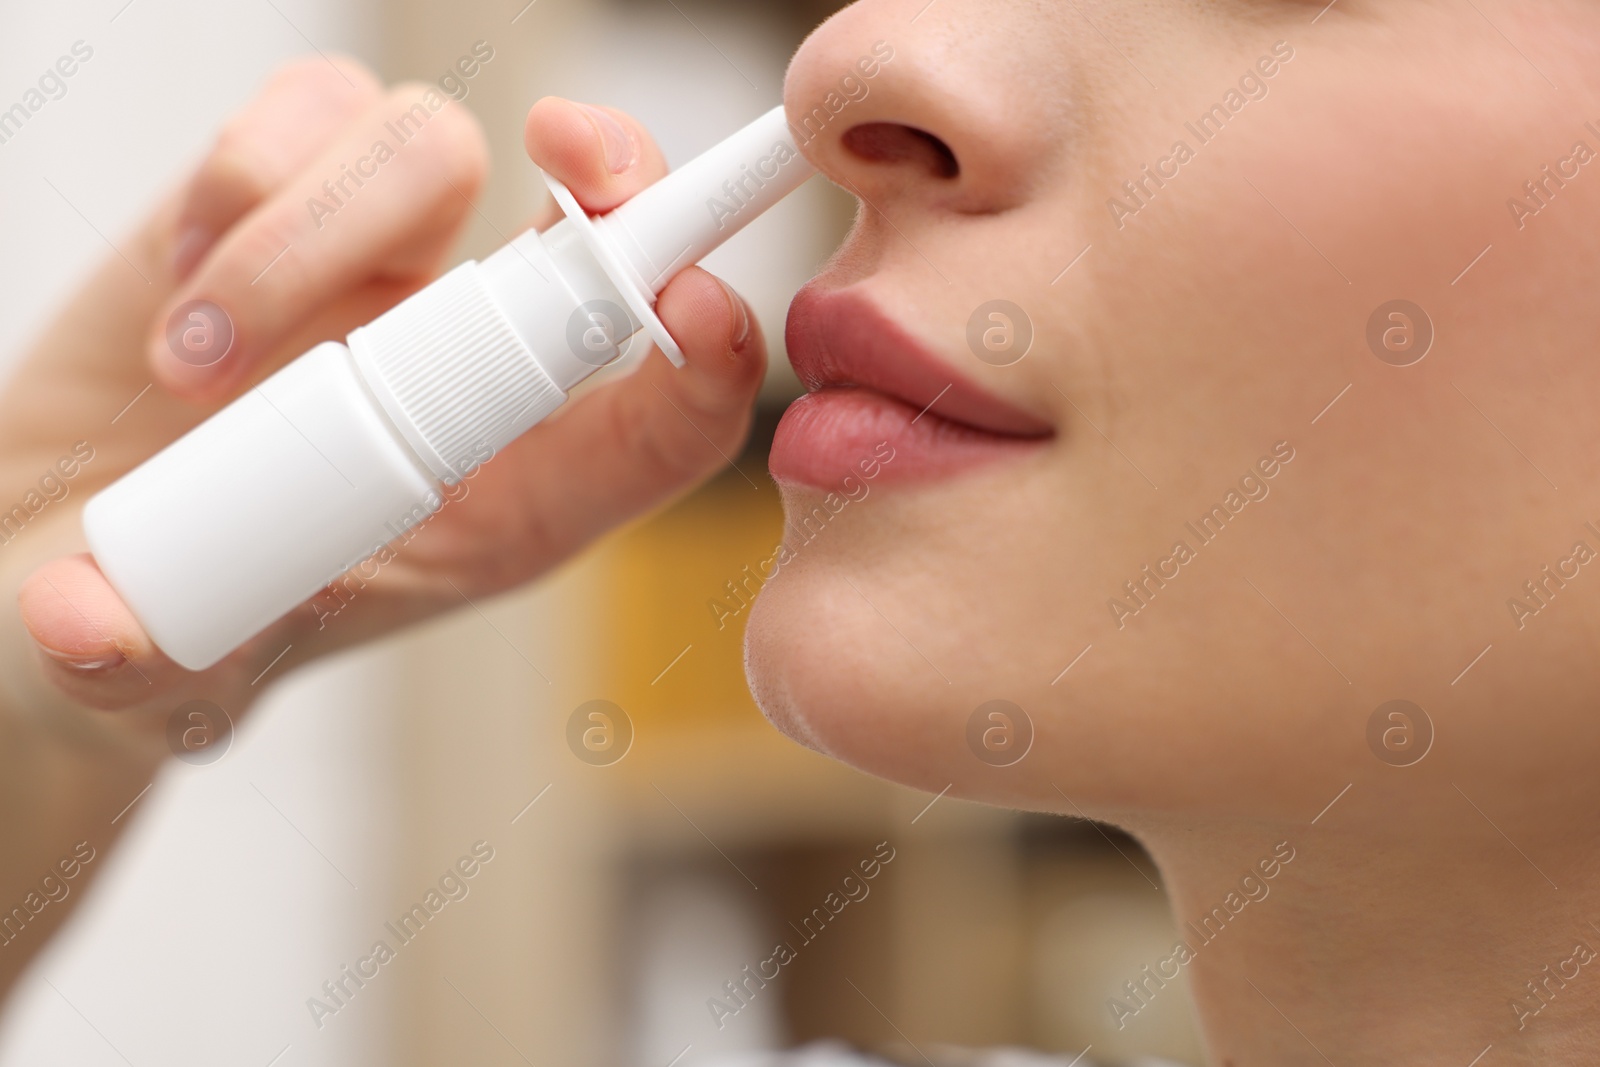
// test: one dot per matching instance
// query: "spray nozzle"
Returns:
(680, 219)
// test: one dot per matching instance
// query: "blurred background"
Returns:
(641, 860)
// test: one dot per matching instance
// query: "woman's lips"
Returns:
(838, 431)
(875, 392)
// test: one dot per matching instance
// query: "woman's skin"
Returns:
(84, 695)
(1222, 317)
(1212, 329)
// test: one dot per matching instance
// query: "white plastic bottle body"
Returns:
(256, 509)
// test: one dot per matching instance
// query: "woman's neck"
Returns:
(1316, 944)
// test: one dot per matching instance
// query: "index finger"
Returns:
(603, 155)
(302, 107)
(380, 203)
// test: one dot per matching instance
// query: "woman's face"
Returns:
(1199, 455)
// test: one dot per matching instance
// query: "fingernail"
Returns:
(189, 249)
(741, 328)
(86, 662)
(621, 150)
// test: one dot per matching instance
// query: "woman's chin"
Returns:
(828, 673)
(768, 656)
(820, 675)
(784, 653)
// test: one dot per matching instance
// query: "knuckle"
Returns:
(236, 172)
(462, 142)
(402, 96)
(268, 240)
(540, 535)
(337, 78)
(248, 160)
(297, 73)
(451, 133)
(649, 429)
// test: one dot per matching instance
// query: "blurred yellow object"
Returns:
(671, 665)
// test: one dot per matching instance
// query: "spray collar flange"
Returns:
(641, 300)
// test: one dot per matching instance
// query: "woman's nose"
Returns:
(919, 116)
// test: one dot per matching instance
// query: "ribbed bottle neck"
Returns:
(453, 374)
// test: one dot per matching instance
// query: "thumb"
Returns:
(93, 648)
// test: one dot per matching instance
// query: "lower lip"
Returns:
(837, 432)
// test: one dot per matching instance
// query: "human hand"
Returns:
(286, 282)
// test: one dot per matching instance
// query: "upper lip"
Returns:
(840, 337)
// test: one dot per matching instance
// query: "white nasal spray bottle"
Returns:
(317, 468)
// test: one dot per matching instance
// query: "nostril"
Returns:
(890, 142)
